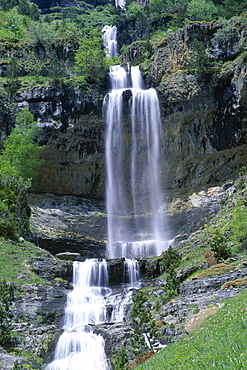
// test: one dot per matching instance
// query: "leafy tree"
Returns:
(171, 260)
(91, 60)
(19, 160)
(200, 64)
(8, 4)
(6, 314)
(21, 155)
(230, 8)
(122, 360)
(144, 327)
(202, 10)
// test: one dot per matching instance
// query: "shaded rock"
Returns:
(69, 224)
(116, 336)
(51, 268)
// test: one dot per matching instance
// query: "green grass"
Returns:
(219, 344)
(14, 261)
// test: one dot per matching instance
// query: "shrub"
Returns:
(6, 314)
(171, 260)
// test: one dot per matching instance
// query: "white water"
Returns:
(91, 302)
(110, 40)
(133, 161)
(120, 3)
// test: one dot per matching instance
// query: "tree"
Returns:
(6, 314)
(202, 10)
(91, 60)
(144, 328)
(21, 155)
(19, 160)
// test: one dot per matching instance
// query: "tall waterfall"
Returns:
(91, 302)
(133, 161)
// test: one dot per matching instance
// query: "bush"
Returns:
(18, 163)
(6, 314)
(171, 260)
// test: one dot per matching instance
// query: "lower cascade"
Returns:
(91, 302)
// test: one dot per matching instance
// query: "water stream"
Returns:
(135, 216)
(91, 302)
(133, 162)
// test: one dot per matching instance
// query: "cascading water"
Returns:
(133, 161)
(120, 3)
(110, 40)
(134, 206)
(91, 302)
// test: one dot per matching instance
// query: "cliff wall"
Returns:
(203, 119)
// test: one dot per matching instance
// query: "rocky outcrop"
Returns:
(73, 135)
(204, 129)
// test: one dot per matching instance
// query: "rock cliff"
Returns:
(204, 123)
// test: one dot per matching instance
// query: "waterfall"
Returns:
(120, 3)
(133, 161)
(91, 302)
(110, 40)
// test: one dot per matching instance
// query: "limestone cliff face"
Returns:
(73, 135)
(204, 123)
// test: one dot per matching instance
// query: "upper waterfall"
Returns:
(133, 161)
(110, 40)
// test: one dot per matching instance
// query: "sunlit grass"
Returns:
(14, 259)
(219, 344)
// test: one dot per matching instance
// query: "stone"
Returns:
(68, 256)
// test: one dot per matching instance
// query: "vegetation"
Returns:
(14, 258)
(218, 344)
(73, 54)
(19, 160)
(5, 314)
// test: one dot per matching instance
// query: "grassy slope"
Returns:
(14, 261)
(219, 344)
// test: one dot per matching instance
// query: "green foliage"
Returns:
(91, 60)
(230, 8)
(202, 10)
(238, 227)
(12, 252)
(7, 212)
(145, 330)
(18, 164)
(6, 314)
(218, 344)
(16, 366)
(200, 64)
(242, 177)
(21, 155)
(171, 259)
(122, 360)
(218, 239)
